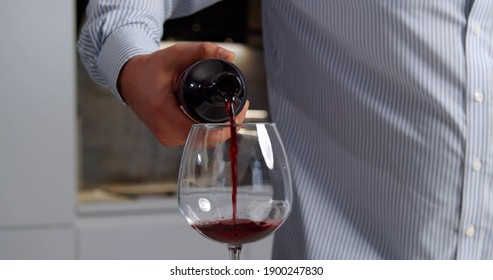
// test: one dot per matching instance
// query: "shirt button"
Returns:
(470, 231)
(476, 165)
(477, 30)
(479, 96)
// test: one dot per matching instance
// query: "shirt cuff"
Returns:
(120, 46)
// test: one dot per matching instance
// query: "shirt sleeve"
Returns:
(117, 30)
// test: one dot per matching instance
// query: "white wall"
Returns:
(37, 128)
(38, 172)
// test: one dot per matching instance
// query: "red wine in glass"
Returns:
(212, 92)
(238, 231)
(209, 183)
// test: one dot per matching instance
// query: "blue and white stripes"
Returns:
(375, 102)
(385, 108)
(117, 30)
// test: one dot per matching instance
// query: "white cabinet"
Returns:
(37, 129)
(55, 243)
(148, 230)
(38, 156)
(37, 112)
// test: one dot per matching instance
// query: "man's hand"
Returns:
(147, 83)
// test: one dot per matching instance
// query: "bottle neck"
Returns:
(205, 88)
(227, 85)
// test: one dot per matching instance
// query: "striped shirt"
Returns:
(385, 109)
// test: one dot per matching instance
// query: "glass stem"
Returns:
(234, 251)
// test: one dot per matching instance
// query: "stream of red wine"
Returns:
(233, 152)
(235, 231)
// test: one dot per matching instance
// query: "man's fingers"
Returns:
(210, 50)
(241, 116)
(185, 54)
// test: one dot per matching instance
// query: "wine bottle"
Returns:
(204, 89)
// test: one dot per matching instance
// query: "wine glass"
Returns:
(234, 183)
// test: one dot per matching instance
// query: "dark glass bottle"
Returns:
(204, 89)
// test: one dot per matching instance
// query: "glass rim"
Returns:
(227, 125)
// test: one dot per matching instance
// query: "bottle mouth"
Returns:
(229, 86)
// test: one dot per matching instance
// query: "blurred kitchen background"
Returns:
(80, 176)
(116, 147)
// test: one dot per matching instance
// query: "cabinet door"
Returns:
(37, 113)
(152, 236)
(38, 244)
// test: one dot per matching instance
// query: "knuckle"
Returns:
(207, 48)
(165, 141)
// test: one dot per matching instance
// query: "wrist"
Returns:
(121, 46)
(127, 75)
